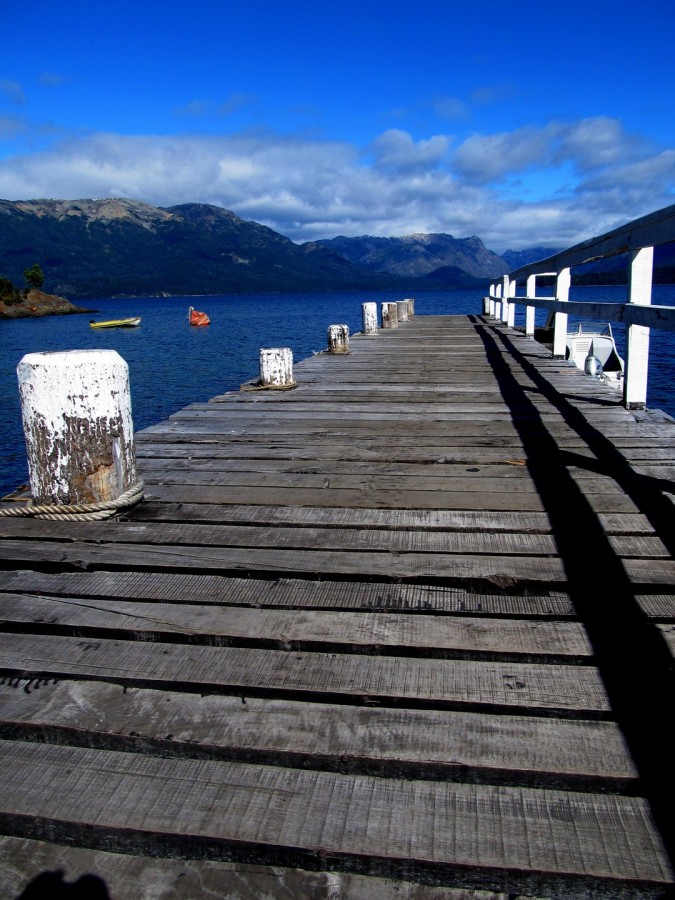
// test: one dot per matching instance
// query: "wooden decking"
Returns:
(404, 631)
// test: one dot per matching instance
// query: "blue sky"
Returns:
(527, 124)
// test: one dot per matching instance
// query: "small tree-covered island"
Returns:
(22, 303)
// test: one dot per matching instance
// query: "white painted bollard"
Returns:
(338, 339)
(411, 307)
(369, 311)
(276, 367)
(389, 315)
(402, 306)
(76, 410)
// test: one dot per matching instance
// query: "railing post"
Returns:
(637, 336)
(562, 292)
(530, 291)
(511, 308)
(505, 299)
(498, 300)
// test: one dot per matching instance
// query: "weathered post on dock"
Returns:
(402, 306)
(338, 339)
(369, 313)
(76, 411)
(276, 367)
(411, 307)
(390, 315)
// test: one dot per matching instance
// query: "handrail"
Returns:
(649, 231)
(637, 238)
(662, 317)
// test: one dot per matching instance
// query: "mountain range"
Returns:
(419, 254)
(118, 247)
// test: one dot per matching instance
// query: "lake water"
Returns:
(172, 364)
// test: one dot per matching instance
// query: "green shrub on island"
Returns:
(9, 295)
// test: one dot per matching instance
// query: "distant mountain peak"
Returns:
(416, 255)
(109, 209)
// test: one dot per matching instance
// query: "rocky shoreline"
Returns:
(37, 303)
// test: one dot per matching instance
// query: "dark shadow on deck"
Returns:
(630, 652)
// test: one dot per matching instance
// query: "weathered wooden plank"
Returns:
(446, 744)
(146, 878)
(129, 801)
(468, 424)
(396, 498)
(372, 411)
(442, 683)
(315, 539)
(389, 519)
(435, 444)
(498, 570)
(420, 476)
(292, 593)
(364, 632)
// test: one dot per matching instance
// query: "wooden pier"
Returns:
(406, 630)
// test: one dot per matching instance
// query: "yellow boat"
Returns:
(117, 323)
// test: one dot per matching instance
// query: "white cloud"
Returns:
(397, 149)
(588, 145)
(307, 188)
(486, 158)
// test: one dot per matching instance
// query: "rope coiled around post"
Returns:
(78, 512)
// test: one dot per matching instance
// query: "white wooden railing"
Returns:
(638, 239)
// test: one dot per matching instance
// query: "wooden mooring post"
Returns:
(338, 339)
(369, 313)
(276, 367)
(402, 307)
(76, 411)
(389, 315)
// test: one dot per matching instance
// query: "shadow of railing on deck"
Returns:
(630, 652)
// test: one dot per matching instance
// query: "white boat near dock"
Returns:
(591, 347)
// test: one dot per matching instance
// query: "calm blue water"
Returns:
(172, 364)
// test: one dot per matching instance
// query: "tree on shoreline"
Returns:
(8, 293)
(34, 276)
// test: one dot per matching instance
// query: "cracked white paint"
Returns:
(276, 366)
(338, 338)
(369, 312)
(76, 410)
